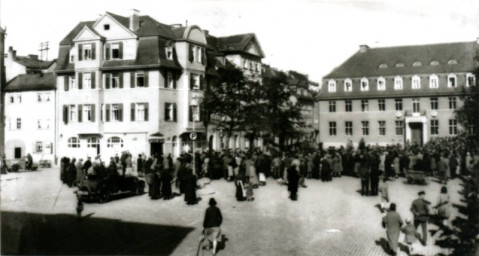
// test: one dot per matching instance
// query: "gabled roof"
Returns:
(234, 43)
(33, 63)
(69, 38)
(32, 82)
(125, 21)
(375, 62)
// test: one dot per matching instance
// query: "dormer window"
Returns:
(452, 62)
(169, 52)
(399, 65)
(433, 81)
(416, 82)
(417, 64)
(140, 79)
(470, 80)
(364, 85)
(383, 66)
(381, 84)
(72, 58)
(348, 85)
(332, 86)
(451, 80)
(434, 63)
(397, 83)
(106, 26)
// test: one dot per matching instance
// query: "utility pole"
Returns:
(44, 48)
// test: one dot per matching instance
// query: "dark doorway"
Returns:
(210, 143)
(416, 133)
(156, 148)
(98, 149)
(18, 153)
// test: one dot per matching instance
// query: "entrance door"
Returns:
(156, 148)
(18, 153)
(416, 133)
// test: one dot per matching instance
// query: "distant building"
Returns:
(16, 65)
(30, 117)
(391, 95)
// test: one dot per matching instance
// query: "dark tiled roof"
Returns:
(32, 82)
(235, 42)
(125, 21)
(33, 63)
(63, 62)
(151, 27)
(369, 63)
(69, 38)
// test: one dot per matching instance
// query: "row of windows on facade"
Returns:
(398, 83)
(398, 104)
(115, 113)
(17, 97)
(419, 64)
(87, 80)
(251, 65)
(399, 128)
(93, 142)
(114, 51)
(16, 124)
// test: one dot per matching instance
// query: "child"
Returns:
(384, 191)
(249, 191)
(410, 235)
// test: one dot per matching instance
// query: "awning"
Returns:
(156, 138)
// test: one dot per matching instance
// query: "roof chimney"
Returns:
(363, 48)
(134, 20)
(12, 53)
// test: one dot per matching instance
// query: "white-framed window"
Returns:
(331, 86)
(348, 128)
(417, 64)
(332, 128)
(18, 97)
(38, 147)
(73, 113)
(19, 123)
(452, 127)
(170, 83)
(140, 112)
(434, 103)
(198, 54)
(12, 98)
(86, 80)
(365, 128)
(92, 142)
(72, 82)
(114, 142)
(399, 127)
(416, 105)
(364, 105)
(170, 112)
(452, 103)
(364, 84)
(87, 113)
(434, 127)
(43, 97)
(451, 80)
(115, 80)
(382, 128)
(115, 50)
(72, 58)
(195, 81)
(398, 83)
(470, 79)
(195, 113)
(382, 105)
(398, 104)
(169, 52)
(381, 84)
(433, 81)
(348, 85)
(348, 106)
(115, 112)
(416, 82)
(246, 64)
(332, 106)
(73, 142)
(140, 79)
(87, 52)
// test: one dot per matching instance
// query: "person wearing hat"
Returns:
(420, 209)
(211, 224)
(410, 235)
(392, 222)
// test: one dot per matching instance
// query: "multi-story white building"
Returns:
(30, 117)
(396, 95)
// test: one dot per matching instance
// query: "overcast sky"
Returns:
(311, 37)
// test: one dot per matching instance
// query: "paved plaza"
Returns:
(38, 217)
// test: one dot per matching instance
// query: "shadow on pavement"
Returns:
(63, 234)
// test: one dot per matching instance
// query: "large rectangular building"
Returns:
(396, 95)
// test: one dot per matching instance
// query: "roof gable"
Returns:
(117, 26)
(86, 34)
(74, 32)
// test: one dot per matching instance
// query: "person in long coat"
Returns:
(392, 222)
(72, 173)
(293, 182)
(190, 187)
(364, 175)
(337, 165)
(374, 175)
(443, 168)
(325, 168)
(80, 174)
(240, 187)
(166, 179)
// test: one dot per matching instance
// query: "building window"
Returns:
(470, 79)
(170, 83)
(364, 84)
(471, 127)
(92, 142)
(87, 113)
(140, 112)
(382, 105)
(73, 142)
(348, 128)
(332, 86)
(140, 79)
(434, 104)
(43, 124)
(364, 105)
(365, 128)
(114, 142)
(434, 127)
(169, 52)
(452, 127)
(19, 123)
(382, 128)
(416, 82)
(332, 128)
(452, 102)
(87, 80)
(195, 81)
(196, 55)
(87, 52)
(433, 81)
(170, 112)
(415, 105)
(43, 97)
(397, 83)
(451, 80)
(332, 106)
(348, 106)
(115, 80)
(116, 112)
(398, 104)
(38, 147)
(115, 51)
(195, 113)
(12, 98)
(73, 113)
(106, 26)
(399, 127)
(73, 84)
(381, 84)
(348, 85)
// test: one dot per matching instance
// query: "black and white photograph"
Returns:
(239, 127)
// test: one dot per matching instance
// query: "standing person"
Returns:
(293, 180)
(410, 235)
(72, 173)
(374, 174)
(392, 222)
(310, 165)
(325, 169)
(166, 179)
(211, 224)
(443, 207)
(317, 165)
(276, 167)
(249, 191)
(364, 175)
(420, 210)
(384, 191)
(453, 165)
(80, 174)
(29, 162)
(240, 187)
(190, 185)
(337, 165)
(443, 168)
(397, 165)
(433, 164)
(87, 165)
(303, 171)
(139, 165)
